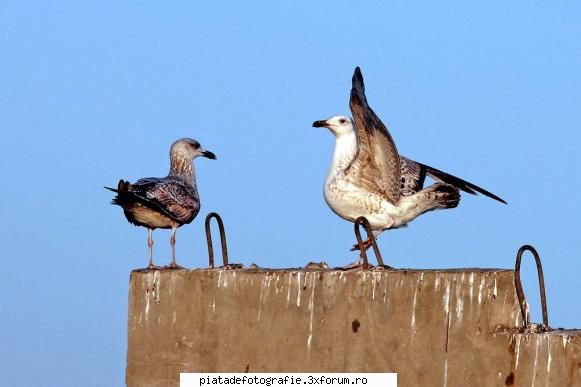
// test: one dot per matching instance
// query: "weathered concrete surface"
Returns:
(546, 359)
(434, 328)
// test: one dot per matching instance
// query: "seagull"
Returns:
(369, 178)
(167, 202)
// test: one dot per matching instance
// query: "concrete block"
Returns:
(432, 327)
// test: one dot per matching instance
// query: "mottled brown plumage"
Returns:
(167, 202)
(376, 166)
(412, 175)
(368, 178)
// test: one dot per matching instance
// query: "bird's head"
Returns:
(338, 125)
(189, 149)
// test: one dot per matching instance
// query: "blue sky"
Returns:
(98, 91)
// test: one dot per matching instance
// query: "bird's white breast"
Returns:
(348, 200)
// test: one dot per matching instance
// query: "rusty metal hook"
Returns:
(222, 239)
(362, 221)
(519, 290)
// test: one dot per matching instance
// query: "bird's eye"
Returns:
(342, 120)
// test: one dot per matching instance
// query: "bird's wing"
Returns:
(464, 185)
(376, 165)
(172, 197)
(413, 176)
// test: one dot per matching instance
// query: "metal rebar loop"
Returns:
(362, 221)
(519, 289)
(222, 239)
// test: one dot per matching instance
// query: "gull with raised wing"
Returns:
(369, 178)
(168, 202)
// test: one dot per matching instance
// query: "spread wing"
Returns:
(172, 197)
(376, 166)
(413, 176)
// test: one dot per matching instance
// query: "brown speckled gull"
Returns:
(167, 202)
(369, 178)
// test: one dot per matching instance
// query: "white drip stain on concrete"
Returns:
(312, 310)
(146, 305)
(549, 354)
(480, 288)
(446, 372)
(277, 290)
(377, 277)
(156, 284)
(289, 289)
(494, 292)
(264, 283)
(225, 280)
(447, 310)
(505, 299)
(413, 324)
(517, 350)
(152, 290)
(298, 289)
(459, 308)
(534, 369)
(565, 341)
(385, 290)
(447, 298)
(471, 286)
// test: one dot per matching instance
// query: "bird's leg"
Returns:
(172, 241)
(367, 243)
(353, 265)
(150, 245)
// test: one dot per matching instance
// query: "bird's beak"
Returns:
(209, 155)
(320, 124)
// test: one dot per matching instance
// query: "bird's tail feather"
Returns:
(442, 196)
(122, 188)
(438, 196)
(464, 185)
